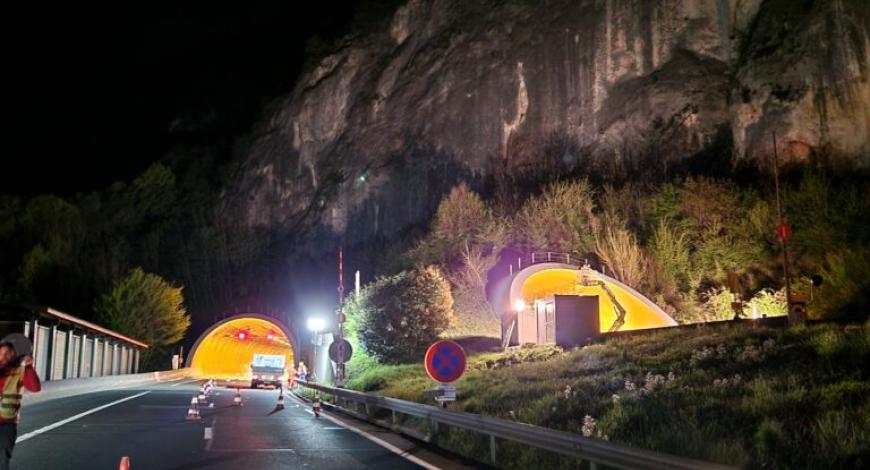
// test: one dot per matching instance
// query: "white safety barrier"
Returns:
(70, 387)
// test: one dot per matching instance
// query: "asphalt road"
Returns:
(150, 427)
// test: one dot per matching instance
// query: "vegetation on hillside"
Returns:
(676, 242)
(752, 397)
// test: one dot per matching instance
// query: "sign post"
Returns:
(445, 362)
(783, 232)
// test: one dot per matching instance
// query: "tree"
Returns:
(147, 308)
(464, 238)
(404, 314)
(560, 219)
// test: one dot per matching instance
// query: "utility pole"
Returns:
(339, 367)
(783, 231)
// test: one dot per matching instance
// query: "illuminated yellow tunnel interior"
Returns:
(639, 314)
(223, 354)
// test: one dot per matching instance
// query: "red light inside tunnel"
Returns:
(242, 335)
(270, 335)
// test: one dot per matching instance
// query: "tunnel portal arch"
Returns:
(219, 352)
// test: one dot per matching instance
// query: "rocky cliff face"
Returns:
(457, 89)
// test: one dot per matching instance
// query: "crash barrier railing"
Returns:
(538, 257)
(594, 451)
(70, 387)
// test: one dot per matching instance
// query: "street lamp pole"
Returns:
(314, 325)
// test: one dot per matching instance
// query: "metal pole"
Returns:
(67, 355)
(94, 358)
(52, 350)
(82, 343)
(792, 319)
(339, 368)
(492, 447)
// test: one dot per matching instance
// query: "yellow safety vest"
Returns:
(10, 400)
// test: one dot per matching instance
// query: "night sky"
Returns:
(95, 90)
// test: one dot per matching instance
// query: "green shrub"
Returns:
(404, 314)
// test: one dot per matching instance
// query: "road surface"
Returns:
(149, 425)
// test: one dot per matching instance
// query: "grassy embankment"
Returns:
(750, 397)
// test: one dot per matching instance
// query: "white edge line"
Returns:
(378, 441)
(73, 418)
(209, 442)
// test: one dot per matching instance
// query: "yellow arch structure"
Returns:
(546, 279)
(219, 352)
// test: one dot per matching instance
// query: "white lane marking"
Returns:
(333, 428)
(184, 382)
(292, 451)
(73, 418)
(209, 434)
(377, 441)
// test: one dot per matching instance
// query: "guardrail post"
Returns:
(533, 258)
(82, 343)
(67, 355)
(548, 255)
(94, 343)
(395, 418)
(52, 350)
(492, 448)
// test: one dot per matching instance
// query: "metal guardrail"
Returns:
(572, 445)
(538, 257)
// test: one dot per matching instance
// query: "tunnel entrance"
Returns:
(225, 350)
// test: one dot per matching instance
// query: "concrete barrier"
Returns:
(71, 387)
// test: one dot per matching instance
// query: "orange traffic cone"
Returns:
(237, 400)
(202, 393)
(316, 404)
(193, 411)
(124, 464)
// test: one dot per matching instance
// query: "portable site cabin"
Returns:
(565, 320)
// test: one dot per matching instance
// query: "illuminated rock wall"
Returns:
(447, 90)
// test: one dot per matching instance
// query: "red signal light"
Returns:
(270, 335)
(242, 335)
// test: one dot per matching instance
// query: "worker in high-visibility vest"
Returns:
(16, 371)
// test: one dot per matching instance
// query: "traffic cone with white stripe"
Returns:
(237, 400)
(280, 405)
(124, 464)
(193, 411)
(316, 404)
(202, 393)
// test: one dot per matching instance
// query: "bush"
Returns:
(147, 308)
(404, 314)
(619, 250)
(560, 219)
